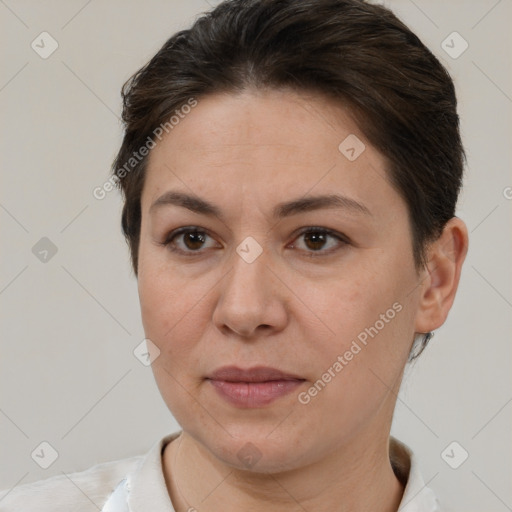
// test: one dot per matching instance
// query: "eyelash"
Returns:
(168, 242)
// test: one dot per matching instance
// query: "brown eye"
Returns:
(194, 239)
(187, 240)
(317, 239)
(314, 240)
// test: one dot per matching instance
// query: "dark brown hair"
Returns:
(356, 53)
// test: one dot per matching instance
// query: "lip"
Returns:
(253, 387)
(255, 374)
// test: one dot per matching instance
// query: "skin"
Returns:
(246, 153)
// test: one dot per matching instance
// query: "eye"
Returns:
(316, 239)
(192, 240)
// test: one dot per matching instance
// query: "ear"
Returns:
(440, 278)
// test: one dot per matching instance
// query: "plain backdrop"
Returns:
(70, 317)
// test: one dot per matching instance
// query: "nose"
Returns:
(252, 300)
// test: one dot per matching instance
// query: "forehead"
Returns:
(261, 145)
(294, 123)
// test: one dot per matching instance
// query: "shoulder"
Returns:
(81, 491)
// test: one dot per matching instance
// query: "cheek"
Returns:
(174, 310)
(162, 299)
(161, 291)
(155, 296)
(170, 313)
(349, 302)
(370, 320)
(356, 367)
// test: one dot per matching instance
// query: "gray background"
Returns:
(70, 324)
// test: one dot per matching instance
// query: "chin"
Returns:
(255, 448)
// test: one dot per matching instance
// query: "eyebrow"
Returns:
(304, 204)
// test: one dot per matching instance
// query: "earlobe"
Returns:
(445, 258)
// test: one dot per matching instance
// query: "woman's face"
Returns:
(336, 308)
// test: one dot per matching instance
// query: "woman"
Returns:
(290, 171)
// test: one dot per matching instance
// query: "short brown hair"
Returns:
(357, 53)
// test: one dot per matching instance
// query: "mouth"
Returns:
(256, 374)
(253, 387)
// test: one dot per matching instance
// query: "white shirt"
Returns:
(137, 484)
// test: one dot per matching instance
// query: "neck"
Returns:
(356, 477)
